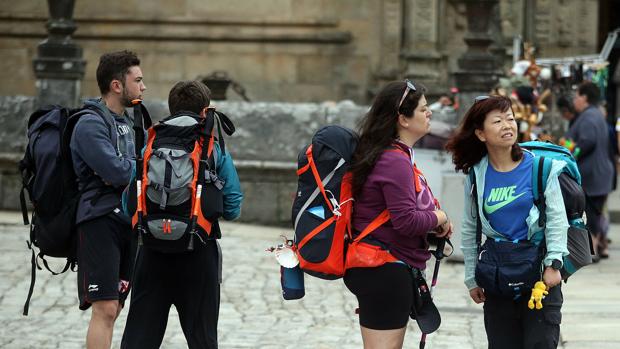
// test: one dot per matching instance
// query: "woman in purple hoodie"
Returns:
(385, 177)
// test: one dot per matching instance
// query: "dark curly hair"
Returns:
(114, 66)
(378, 128)
(467, 150)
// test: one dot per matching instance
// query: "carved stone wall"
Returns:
(557, 27)
(288, 50)
(391, 30)
(455, 27)
(279, 50)
(512, 18)
(421, 54)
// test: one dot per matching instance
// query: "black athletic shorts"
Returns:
(384, 295)
(105, 258)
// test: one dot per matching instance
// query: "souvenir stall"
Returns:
(536, 84)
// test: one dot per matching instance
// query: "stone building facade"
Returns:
(291, 50)
(297, 60)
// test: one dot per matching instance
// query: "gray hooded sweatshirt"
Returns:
(103, 151)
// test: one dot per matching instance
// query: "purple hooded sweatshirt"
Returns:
(391, 185)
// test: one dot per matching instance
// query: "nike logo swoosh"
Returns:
(492, 208)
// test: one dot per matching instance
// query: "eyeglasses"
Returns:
(480, 98)
(410, 87)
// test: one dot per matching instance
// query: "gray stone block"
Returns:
(10, 185)
(14, 113)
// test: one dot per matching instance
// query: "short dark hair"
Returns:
(189, 95)
(114, 66)
(467, 150)
(591, 91)
(564, 104)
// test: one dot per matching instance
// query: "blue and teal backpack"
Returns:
(579, 240)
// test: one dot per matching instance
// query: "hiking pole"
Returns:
(438, 253)
(139, 135)
(142, 120)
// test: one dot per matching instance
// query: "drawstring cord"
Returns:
(335, 204)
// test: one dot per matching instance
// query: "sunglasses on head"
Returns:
(410, 87)
(480, 98)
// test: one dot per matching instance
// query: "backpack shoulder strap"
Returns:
(147, 121)
(223, 122)
(321, 183)
(75, 116)
(541, 167)
(474, 193)
(381, 219)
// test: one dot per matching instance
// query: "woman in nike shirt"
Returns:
(486, 143)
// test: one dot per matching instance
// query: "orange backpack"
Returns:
(322, 209)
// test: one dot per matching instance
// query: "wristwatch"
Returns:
(556, 264)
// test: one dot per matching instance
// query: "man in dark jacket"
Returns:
(589, 131)
(102, 147)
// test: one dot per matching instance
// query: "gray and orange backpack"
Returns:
(176, 194)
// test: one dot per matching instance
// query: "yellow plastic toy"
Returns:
(538, 293)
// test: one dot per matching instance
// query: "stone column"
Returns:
(59, 66)
(498, 47)
(421, 39)
(391, 28)
(477, 71)
(529, 21)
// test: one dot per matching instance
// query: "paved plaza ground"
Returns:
(253, 314)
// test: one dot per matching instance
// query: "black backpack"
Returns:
(48, 178)
(323, 203)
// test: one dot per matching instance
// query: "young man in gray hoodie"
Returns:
(102, 147)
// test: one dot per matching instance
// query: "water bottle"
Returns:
(292, 280)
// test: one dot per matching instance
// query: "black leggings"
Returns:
(384, 294)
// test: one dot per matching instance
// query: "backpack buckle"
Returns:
(212, 177)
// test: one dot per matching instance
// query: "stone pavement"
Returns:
(253, 314)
